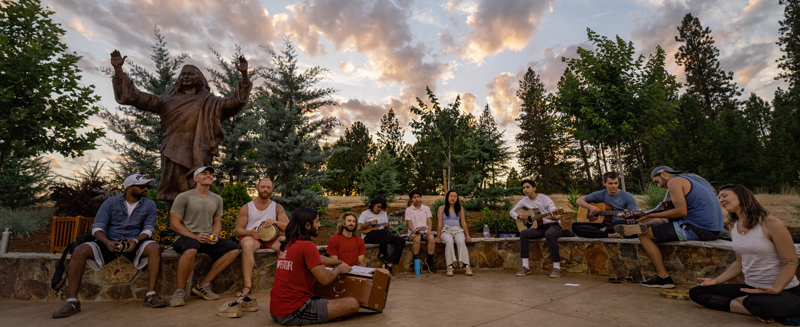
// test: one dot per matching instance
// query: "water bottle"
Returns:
(416, 267)
(6, 238)
(496, 228)
(486, 231)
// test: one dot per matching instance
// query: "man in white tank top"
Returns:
(262, 211)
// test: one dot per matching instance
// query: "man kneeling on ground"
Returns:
(123, 226)
(292, 300)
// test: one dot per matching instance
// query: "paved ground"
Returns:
(492, 297)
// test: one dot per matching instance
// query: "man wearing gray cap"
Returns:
(696, 216)
(123, 226)
(196, 216)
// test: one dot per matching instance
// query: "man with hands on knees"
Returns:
(196, 216)
(123, 226)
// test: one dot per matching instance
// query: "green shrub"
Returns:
(653, 195)
(435, 210)
(24, 222)
(82, 198)
(346, 208)
(506, 224)
(400, 228)
(24, 182)
(572, 198)
(379, 178)
(234, 195)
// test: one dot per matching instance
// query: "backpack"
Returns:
(58, 276)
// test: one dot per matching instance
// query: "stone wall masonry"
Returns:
(26, 276)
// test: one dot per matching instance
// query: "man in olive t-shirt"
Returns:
(196, 216)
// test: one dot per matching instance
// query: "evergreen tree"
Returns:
(43, 106)
(24, 182)
(236, 148)
(540, 143)
(789, 31)
(353, 150)
(512, 180)
(379, 178)
(390, 138)
(287, 140)
(141, 130)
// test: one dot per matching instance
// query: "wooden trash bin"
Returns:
(66, 229)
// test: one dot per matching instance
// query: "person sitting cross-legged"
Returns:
(123, 226)
(346, 245)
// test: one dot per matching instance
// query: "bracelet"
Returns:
(788, 262)
(136, 240)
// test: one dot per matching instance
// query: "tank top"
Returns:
(450, 219)
(760, 262)
(702, 206)
(256, 217)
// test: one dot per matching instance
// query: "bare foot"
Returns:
(614, 235)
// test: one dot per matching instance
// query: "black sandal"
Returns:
(242, 293)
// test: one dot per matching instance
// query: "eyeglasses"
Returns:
(142, 186)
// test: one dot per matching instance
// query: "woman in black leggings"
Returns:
(765, 254)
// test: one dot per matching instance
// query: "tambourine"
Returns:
(268, 233)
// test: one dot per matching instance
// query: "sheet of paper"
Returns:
(572, 284)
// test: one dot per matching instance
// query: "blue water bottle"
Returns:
(416, 267)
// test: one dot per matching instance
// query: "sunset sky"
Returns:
(382, 54)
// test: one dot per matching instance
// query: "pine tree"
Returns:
(287, 140)
(141, 130)
(390, 138)
(540, 144)
(789, 31)
(379, 178)
(353, 151)
(236, 148)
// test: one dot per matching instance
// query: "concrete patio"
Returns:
(493, 297)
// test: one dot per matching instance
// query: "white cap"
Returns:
(136, 179)
(201, 169)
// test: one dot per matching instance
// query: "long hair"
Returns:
(376, 200)
(340, 224)
(456, 206)
(176, 87)
(748, 205)
(296, 229)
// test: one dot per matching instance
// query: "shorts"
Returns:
(264, 245)
(215, 251)
(314, 311)
(677, 230)
(102, 255)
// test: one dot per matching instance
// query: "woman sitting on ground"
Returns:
(765, 255)
(453, 228)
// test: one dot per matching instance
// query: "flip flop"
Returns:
(242, 293)
(614, 280)
(675, 294)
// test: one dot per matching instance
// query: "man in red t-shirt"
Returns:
(292, 300)
(345, 245)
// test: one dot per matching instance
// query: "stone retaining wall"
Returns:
(26, 276)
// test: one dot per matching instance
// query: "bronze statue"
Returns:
(190, 120)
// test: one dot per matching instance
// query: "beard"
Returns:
(350, 229)
(138, 196)
(264, 195)
(313, 232)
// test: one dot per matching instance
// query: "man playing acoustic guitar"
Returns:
(613, 197)
(550, 229)
(373, 217)
(696, 216)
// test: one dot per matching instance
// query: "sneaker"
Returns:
(230, 309)
(154, 301)
(430, 265)
(205, 292)
(450, 271)
(177, 298)
(555, 273)
(389, 268)
(68, 309)
(468, 271)
(659, 282)
(382, 258)
(630, 230)
(523, 271)
(248, 304)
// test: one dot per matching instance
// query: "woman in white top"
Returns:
(452, 230)
(765, 254)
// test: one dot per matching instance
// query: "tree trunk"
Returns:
(620, 168)
(586, 165)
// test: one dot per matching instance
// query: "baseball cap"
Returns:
(201, 169)
(136, 179)
(659, 169)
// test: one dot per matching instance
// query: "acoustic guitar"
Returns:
(535, 218)
(378, 226)
(632, 216)
(604, 216)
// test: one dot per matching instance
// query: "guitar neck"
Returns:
(609, 213)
